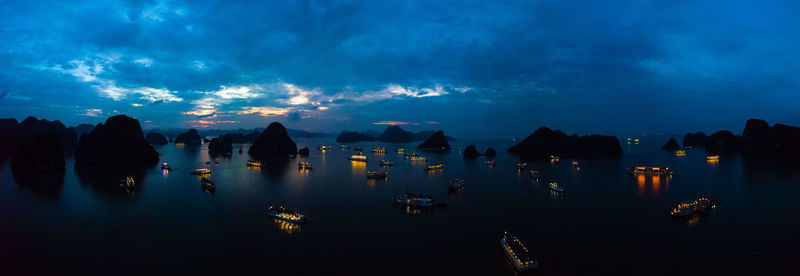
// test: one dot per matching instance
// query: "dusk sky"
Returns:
(474, 69)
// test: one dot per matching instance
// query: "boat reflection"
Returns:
(287, 226)
(654, 181)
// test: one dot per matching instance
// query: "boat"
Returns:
(324, 148)
(712, 158)
(378, 150)
(416, 200)
(165, 166)
(207, 185)
(517, 253)
(521, 166)
(279, 212)
(200, 171)
(700, 205)
(385, 163)
(491, 162)
(680, 153)
(358, 157)
(401, 150)
(535, 174)
(457, 184)
(344, 147)
(554, 158)
(649, 170)
(127, 183)
(376, 174)
(304, 166)
(576, 165)
(251, 163)
(555, 187)
(434, 167)
(411, 154)
(216, 160)
(420, 159)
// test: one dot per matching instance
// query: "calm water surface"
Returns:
(608, 222)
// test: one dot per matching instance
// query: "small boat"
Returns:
(207, 185)
(165, 166)
(127, 183)
(208, 162)
(304, 166)
(378, 150)
(680, 153)
(377, 174)
(285, 214)
(554, 158)
(358, 157)
(411, 154)
(649, 170)
(700, 205)
(420, 159)
(385, 163)
(251, 163)
(521, 166)
(517, 253)
(401, 150)
(324, 148)
(416, 200)
(200, 171)
(576, 165)
(712, 158)
(344, 147)
(434, 167)
(457, 184)
(216, 160)
(491, 162)
(555, 187)
(535, 174)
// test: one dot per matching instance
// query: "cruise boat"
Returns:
(251, 163)
(165, 166)
(700, 205)
(378, 150)
(304, 166)
(358, 157)
(401, 150)
(434, 167)
(712, 158)
(576, 165)
(535, 174)
(555, 187)
(416, 200)
(324, 148)
(680, 153)
(127, 183)
(385, 163)
(521, 166)
(207, 185)
(285, 214)
(491, 162)
(376, 174)
(216, 160)
(457, 184)
(517, 253)
(554, 158)
(650, 170)
(420, 159)
(410, 154)
(200, 171)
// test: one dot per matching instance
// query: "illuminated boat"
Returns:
(377, 174)
(165, 166)
(251, 163)
(700, 205)
(434, 167)
(411, 154)
(554, 158)
(344, 147)
(384, 163)
(517, 253)
(649, 170)
(576, 165)
(491, 162)
(285, 214)
(216, 160)
(521, 166)
(200, 171)
(680, 153)
(323, 148)
(127, 183)
(401, 150)
(555, 187)
(420, 159)
(304, 166)
(416, 200)
(535, 174)
(207, 185)
(378, 150)
(712, 158)
(457, 184)
(358, 157)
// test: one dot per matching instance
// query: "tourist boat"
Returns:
(680, 153)
(700, 205)
(304, 166)
(555, 187)
(649, 170)
(323, 148)
(416, 200)
(376, 174)
(457, 184)
(491, 162)
(358, 157)
(521, 166)
(422, 159)
(712, 158)
(535, 174)
(576, 165)
(344, 147)
(517, 253)
(384, 163)
(200, 171)
(411, 154)
(207, 185)
(165, 166)
(434, 167)
(216, 160)
(285, 214)
(554, 158)
(401, 150)
(378, 150)
(251, 163)
(127, 183)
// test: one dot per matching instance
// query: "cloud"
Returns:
(89, 73)
(396, 123)
(144, 62)
(93, 112)
(415, 92)
(264, 111)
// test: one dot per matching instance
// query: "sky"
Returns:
(473, 68)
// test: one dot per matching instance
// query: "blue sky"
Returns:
(473, 68)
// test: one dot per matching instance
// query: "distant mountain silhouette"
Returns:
(490, 152)
(273, 142)
(671, 145)
(154, 138)
(352, 136)
(723, 142)
(220, 147)
(392, 134)
(437, 142)
(82, 129)
(304, 151)
(16, 136)
(189, 138)
(545, 142)
(425, 134)
(470, 152)
(780, 141)
(239, 138)
(395, 134)
(698, 139)
(44, 154)
(119, 141)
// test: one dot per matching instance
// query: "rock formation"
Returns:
(154, 138)
(82, 129)
(220, 146)
(545, 142)
(781, 141)
(189, 138)
(671, 145)
(470, 152)
(698, 139)
(436, 142)
(119, 141)
(273, 142)
(490, 152)
(723, 142)
(304, 151)
(395, 134)
(44, 154)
